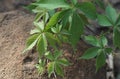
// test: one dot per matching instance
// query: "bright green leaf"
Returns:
(104, 41)
(38, 17)
(53, 20)
(42, 45)
(90, 53)
(40, 67)
(34, 31)
(31, 42)
(111, 13)
(92, 40)
(54, 30)
(39, 25)
(103, 20)
(52, 4)
(39, 10)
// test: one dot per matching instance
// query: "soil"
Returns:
(15, 26)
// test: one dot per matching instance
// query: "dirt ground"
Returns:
(15, 26)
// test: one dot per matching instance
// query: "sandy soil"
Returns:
(14, 29)
(15, 26)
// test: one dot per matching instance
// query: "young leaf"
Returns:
(53, 20)
(59, 69)
(31, 42)
(116, 37)
(103, 20)
(34, 31)
(40, 67)
(50, 68)
(77, 29)
(111, 13)
(42, 45)
(88, 9)
(39, 25)
(38, 17)
(90, 53)
(104, 41)
(100, 61)
(52, 4)
(92, 40)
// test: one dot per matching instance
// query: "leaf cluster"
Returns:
(63, 21)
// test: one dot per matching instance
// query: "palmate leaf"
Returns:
(77, 29)
(52, 4)
(31, 42)
(116, 37)
(42, 45)
(88, 9)
(91, 53)
(100, 61)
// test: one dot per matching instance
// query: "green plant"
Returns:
(64, 21)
